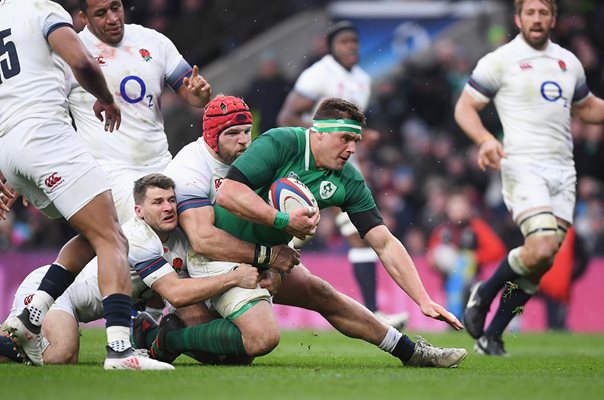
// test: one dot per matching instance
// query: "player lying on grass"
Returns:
(199, 169)
(157, 255)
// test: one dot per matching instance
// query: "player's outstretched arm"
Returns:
(195, 89)
(294, 107)
(400, 267)
(66, 43)
(468, 119)
(183, 292)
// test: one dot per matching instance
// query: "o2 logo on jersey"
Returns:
(551, 91)
(133, 80)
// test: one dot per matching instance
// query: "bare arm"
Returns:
(66, 43)
(245, 203)
(591, 110)
(293, 109)
(195, 89)
(214, 243)
(468, 119)
(400, 267)
(187, 291)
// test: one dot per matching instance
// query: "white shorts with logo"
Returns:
(81, 300)
(231, 301)
(48, 164)
(529, 185)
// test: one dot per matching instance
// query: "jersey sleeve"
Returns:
(485, 80)
(581, 88)
(177, 68)
(269, 152)
(358, 197)
(52, 17)
(310, 82)
(192, 184)
(145, 252)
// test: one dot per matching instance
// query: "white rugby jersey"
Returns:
(150, 259)
(197, 175)
(136, 71)
(533, 92)
(328, 78)
(32, 83)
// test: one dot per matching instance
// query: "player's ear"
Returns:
(517, 21)
(553, 24)
(83, 17)
(138, 210)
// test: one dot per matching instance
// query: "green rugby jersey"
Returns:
(285, 152)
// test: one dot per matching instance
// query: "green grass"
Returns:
(326, 365)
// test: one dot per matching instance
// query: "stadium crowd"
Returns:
(421, 156)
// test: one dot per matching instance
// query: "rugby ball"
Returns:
(288, 194)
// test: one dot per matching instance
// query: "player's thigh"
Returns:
(524, 188)
(48, 164)
(564, 198)
(62, 332)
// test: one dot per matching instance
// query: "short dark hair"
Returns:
(152, 180)
(83, 4)
(334, 29)
(336, 108)
(518, 4)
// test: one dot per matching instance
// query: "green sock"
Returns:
(150, 336)
(220, 336)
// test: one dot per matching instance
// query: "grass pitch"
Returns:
(327, 365)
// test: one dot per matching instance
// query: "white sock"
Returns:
(39, 306)
(118, 338)
(391, 339)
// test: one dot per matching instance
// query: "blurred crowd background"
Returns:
(420, 159)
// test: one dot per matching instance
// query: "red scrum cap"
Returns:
(221, 113)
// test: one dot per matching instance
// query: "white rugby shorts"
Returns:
(48, 164)
(533, 185)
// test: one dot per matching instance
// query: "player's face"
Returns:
(535, 23)
(233, 141)
(334, 149)
(105, 19)
(346, 48)
(159, 210)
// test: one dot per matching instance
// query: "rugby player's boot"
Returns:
(140, 326)
(427, 355)
(475, 313)
(27, 337)
(136, 360)
(158, 350)
(490, 346)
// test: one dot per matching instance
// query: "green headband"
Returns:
(337, 125)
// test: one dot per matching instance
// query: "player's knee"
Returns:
(544, 251)
(262, 343)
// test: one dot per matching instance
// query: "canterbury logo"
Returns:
(526, 66)
(52, 180)
(27, 299)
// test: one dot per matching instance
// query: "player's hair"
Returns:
(518, 4)
(336, 108)
(152, 180)
(83, 4)
(334, 29)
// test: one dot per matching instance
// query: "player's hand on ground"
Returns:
(436, 311)
(198, 87)
(108, 113)
(271, 280)
(246, 276)
(303, 222)
(490, 154)
(284, 258)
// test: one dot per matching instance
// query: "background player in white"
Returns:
(137, 63)
(535, 85)
(157, 256)
(338, 74)
(43, 160)
(199, 169)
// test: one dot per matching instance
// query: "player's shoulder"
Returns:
(139, 233)
(351, 173)
(564, 54)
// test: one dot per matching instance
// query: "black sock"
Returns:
(404, 348)
(8, 349)
(512, 303)
(117, 309)
(364, 272)
(56, 281)
(489, 288)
